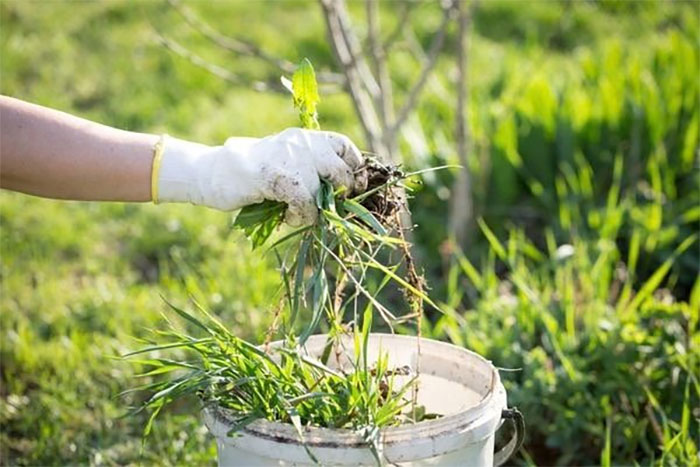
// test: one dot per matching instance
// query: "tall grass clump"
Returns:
(606, 366)
(543, 119)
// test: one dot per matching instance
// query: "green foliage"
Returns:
(259, 221)
(78, 278)
(605, 367)
(78, 281)
(282, 384)
(346, 239)
(547, 120)
(339, 250)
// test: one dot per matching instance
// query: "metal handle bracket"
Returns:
(516, 418)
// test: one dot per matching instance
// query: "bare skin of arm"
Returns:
(52, 154)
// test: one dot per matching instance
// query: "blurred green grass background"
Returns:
(584, 118)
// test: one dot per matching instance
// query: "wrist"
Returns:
(176, 171)
(158, 148)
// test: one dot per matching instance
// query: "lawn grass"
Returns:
(80, 280)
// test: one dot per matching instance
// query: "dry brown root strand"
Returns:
(274, 325)
(415, 302)
(412, 277)
(338, 295)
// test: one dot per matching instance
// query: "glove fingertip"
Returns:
(345, 149)
(361, 181)
(298, 216)
(292, 220)
(348, 180)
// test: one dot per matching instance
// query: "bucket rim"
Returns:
(219, 420)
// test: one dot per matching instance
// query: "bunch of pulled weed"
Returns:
(325, 270)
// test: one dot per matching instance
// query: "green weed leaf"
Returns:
(305, 92)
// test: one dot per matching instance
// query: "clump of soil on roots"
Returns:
(384, 202)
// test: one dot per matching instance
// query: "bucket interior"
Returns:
(451, 380)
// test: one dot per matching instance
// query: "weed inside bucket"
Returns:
(334, 269)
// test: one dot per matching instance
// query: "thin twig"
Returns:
(353, 45)
(384, 101)
(415, 302)
(414, 46)
(274, 325)
(239, 46)
(361, 100)
(210, 67)
(401, 24)
(244, 47)
(461, 206)
(432, 55)
(338, 295)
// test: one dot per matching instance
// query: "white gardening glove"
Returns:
(284, 167)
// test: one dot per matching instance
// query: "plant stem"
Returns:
(415, 302)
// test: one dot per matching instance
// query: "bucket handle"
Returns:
(518, 422)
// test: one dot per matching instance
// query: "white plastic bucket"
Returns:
(459, 384)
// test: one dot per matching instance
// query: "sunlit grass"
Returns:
(600, 358)
(78, 279)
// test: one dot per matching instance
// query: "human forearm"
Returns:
(49, 153)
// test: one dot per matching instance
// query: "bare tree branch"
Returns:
(360, 98)
(373, 32)
(461, 206)
(223, 73)
(239, 46)
(384, 101)
(401, 24)
(435, 47)
(244, 47)
(202, 63)
(414, 46)
(354, 49)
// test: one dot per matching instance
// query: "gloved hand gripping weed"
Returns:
(245, 171)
